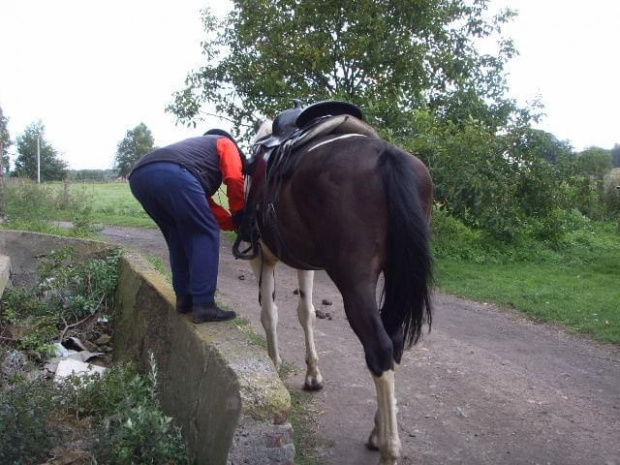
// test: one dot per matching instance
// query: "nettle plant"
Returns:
(68, 295)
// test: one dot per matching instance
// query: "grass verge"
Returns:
(576, 285)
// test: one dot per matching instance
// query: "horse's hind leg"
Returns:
(263, 267)
(363, 314)
(307, 318)
(385, 421)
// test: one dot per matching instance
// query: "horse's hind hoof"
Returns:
(371, 447)
(373, 441)
(313, 385)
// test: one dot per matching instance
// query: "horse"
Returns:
(357, 207)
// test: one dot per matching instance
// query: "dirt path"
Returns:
(485, 387)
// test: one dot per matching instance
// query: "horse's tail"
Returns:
(409, 266)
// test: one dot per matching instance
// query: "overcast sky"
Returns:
(91, 70)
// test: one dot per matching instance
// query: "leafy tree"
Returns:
(5, 142)
(53, 168)
(546, 145)
(90, 175)
(388, 56)
(595, 162)
(615, 156)
(136, 143)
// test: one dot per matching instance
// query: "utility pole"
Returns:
(39, 159)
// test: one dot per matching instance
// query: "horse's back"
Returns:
(334, 205)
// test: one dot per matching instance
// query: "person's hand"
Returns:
(238, 219)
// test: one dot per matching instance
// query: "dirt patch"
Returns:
(485, 387)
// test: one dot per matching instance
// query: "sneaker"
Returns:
(203, 312)
(184, 304)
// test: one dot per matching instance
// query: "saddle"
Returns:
(275, 158)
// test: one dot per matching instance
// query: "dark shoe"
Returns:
(184, 304)
(202, 313)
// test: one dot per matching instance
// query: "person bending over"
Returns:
(175, 185)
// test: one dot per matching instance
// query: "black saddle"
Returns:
(299, 117)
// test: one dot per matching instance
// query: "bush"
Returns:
(67, 294)
(125, 413)
(26, 432)
(27, 202)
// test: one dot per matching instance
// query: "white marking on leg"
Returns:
(386, 422)
(307, 318)
(263, 267)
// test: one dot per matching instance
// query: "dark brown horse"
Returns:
(357, 207)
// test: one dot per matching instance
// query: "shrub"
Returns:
(26, 433)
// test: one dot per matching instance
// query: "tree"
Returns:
(615, 156)
(388, 56)
(545, 145)
(5, 142)
(53, 168)
(136, 143)
(595, 162)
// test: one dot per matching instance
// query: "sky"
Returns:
(92, 70)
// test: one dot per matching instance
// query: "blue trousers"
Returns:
(174, 198)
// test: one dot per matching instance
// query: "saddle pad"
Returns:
(341, 124)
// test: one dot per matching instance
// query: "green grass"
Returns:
(578, 286)
(110, 203)
(159, 264)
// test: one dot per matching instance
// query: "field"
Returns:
(577, 286)
(110, 204)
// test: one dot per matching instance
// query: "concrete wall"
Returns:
(5, 270)
(26, 250)
(219, 387)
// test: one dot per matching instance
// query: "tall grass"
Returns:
(30, 206)
(110, 203)
(574, 283)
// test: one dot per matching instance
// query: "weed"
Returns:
(26, 433)
(159, 264)
(308, 442)
(145, 434)
(69, 293)
(244, 325)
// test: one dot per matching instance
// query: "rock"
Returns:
(296, 292)
(90, 346)
(13, 362)
(69, 457)
(460, 412)
(326, 302)
(103, 340)
(323, 315)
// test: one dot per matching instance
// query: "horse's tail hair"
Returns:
(409, 266)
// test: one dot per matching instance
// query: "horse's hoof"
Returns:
(313, 385)
(373, 442)
(371, 446)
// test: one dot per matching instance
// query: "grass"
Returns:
(577, 286)
(110, 204)
(159, 264)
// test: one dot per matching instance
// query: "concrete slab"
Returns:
(5, 272)
(219, 386)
